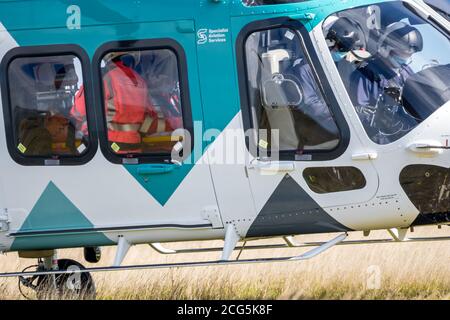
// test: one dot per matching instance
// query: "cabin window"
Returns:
(42, 89)
(334, 179)
(287, 106)
(144, 104)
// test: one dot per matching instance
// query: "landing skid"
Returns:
(320, 248)
(158, 247)
(305, 256)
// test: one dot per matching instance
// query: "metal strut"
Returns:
(308, 255)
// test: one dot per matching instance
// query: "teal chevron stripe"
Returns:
(54, 211)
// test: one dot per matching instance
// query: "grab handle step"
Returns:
(152, 169)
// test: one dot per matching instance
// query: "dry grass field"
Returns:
(375, 271)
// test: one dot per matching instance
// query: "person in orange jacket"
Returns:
(78, 112)
(127, 105)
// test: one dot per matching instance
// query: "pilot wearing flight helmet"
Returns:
(376, 87)
(344, 39)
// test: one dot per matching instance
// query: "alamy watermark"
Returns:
(73, 21)
(373, 277)
(230, 146)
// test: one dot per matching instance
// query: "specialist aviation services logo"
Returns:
(202, 37)
(212, 36)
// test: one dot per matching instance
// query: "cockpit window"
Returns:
(394, 64)
(252, 3)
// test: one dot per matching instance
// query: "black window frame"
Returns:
(48, 51)
(141, 45)
(319, 75)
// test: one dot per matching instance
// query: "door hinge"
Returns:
(211, 213)
(303, 16)
(185, 26)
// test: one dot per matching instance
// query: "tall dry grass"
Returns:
(406, 270)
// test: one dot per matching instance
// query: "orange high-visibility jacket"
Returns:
(127, 103)
(78, 112)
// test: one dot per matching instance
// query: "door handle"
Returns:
(429, 147)
(365, 156)
(273, 166)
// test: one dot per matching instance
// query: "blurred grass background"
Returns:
(403, 270)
